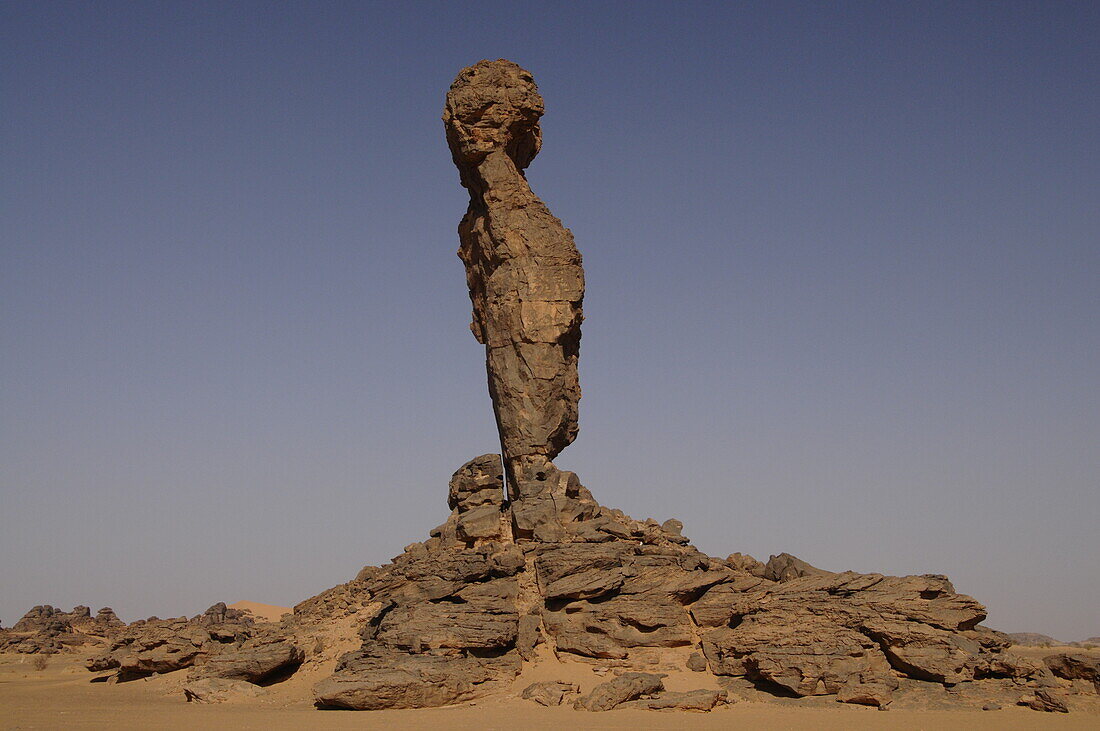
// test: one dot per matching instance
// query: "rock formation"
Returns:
(523, 270)
(46, 629)
(552, 571)
(551, 575)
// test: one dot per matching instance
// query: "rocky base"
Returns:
(503, 585)
(455, 617)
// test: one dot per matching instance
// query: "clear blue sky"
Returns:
(843, 301)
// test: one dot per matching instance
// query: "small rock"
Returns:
(696, 662)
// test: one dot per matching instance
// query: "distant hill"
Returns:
(1033, 639)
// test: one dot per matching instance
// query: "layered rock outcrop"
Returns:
(454, 618)
(522, 268)
(46, 629)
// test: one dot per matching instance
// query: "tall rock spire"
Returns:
(523, 270)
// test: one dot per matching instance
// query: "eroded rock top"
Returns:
(493, 105)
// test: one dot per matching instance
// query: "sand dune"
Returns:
(262, 612)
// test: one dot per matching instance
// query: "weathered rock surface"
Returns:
(523, 270)
(785, 567)
(691, 700)
(1074, 666)
(1044, 700)
(445, 630)
(46, 629)
(377, 679)
(254, 663)
(220, 690)
(550, 692)
(626, 687)
(152, 646)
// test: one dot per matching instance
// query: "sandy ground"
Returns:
(63, 696)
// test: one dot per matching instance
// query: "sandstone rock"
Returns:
(452, 619)
(1044, 700)
(724, 602)
(162, 646)
(377, 679)
(41, 617)
(528, 635)
(477, 483)
(869, 689)
(522, 267)
(220, 690)
(691, 700)
(107, 617)
(697, 663)
(550, 692)
(585, 585)
(800, 651)
(221, 614)
(482, 617)
(785, 567)
(480, 523)
(254, 664)
(626, 687)
(1075, 666)
(46, 629)
(925, 652)
(746, 563)
(163, 659)
(817, 633)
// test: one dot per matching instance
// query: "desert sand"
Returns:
(63, 696)
(262, 612)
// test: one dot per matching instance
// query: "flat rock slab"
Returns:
(220, 690)
(691, 700)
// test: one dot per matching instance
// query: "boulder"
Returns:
(691, 700)
(697, 663)
(374, 679)
(785, 567)
(255, 663)
(220, 690)
(478, 483)
(1075, 666)
(869, 689)
(529, 635)
(550, 692)
(626, 687)
(1044, 700)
